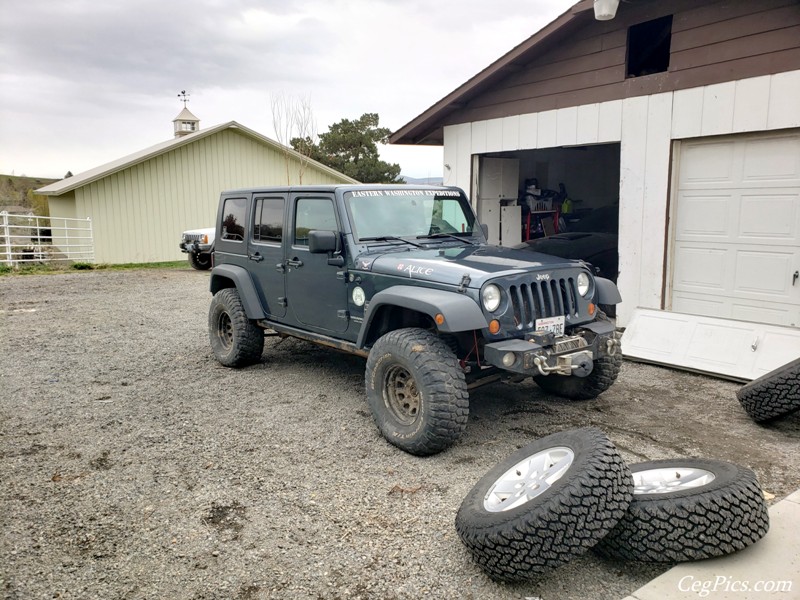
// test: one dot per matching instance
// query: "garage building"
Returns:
(682, 114)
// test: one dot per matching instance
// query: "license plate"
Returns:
(554, 325)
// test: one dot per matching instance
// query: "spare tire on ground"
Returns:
(773, 395)
(688, 509)
(545, 504)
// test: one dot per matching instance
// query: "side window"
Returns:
(233, 219)
(313, 213)
(268, 220)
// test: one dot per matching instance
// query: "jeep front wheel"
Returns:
(236, 340)
(416, 391)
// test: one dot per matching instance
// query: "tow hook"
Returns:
(578, 364)
(612, 345)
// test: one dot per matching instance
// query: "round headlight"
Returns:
(491, 297)
(358, 296)
(583, 284)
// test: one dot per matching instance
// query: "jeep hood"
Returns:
(449, 265)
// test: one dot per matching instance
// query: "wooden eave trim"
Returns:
(421, 127)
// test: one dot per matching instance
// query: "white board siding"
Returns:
(588, 124)
(757, 104)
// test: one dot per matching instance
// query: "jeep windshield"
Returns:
(410, 215)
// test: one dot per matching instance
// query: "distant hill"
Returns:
(16, 191)
(423, 180)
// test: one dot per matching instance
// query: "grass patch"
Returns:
(57, 268)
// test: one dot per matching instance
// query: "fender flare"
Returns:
(461, 313)
(606, 291)
(225, 276)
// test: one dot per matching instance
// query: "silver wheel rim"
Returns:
(670, 479)
(529, 478)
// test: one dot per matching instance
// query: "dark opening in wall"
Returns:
(648, 47)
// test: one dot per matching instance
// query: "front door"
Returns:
(265, 253)
(316, 291)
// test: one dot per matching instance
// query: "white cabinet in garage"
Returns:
(736, 244)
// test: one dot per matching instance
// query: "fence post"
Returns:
(7, 236)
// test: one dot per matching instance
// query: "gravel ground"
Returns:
(134, 466)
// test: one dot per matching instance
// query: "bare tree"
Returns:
(292, 117)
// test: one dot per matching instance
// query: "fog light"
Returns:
(509, 359)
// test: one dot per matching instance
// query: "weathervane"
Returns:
(184, 97)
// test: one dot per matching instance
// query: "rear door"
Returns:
(265, 252)
(316, 291)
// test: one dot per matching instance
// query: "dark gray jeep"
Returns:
(403, 276)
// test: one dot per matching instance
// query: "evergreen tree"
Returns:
(351, 147)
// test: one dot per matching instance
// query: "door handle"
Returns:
(794, 277)
(294, 262)
(256, 256)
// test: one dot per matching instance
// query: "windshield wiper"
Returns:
(445, 235)
(390, 238)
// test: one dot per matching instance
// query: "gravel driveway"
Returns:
(134, 466)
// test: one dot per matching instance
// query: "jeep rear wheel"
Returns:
(200, 260)
(416, 391)
(236, 340)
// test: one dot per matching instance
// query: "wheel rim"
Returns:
(529, 478)
(670, 479)
(401, 395)
(225, 330)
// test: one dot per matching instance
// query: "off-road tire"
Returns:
(562, 522)
(236, 340)
(715, 519)
(604, 373)
(200, 260)
(773, 395)
(415, 366)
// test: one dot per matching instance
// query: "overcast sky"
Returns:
(85, 82)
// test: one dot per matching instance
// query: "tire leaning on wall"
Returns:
(545, 504)
(688, 509)
(773, 395)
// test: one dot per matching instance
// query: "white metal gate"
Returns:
(34, 239)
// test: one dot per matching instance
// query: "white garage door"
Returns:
(736, 247)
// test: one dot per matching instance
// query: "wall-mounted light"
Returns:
(605, 10)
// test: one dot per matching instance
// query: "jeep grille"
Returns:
(540, 299)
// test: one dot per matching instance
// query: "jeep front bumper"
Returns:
(541, 353)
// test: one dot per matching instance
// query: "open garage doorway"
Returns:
(561, 201)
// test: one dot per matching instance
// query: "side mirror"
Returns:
(485, 230)
(320, 242)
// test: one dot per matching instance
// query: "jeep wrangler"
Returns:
(403, 276)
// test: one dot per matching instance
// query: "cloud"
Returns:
(91, 78)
